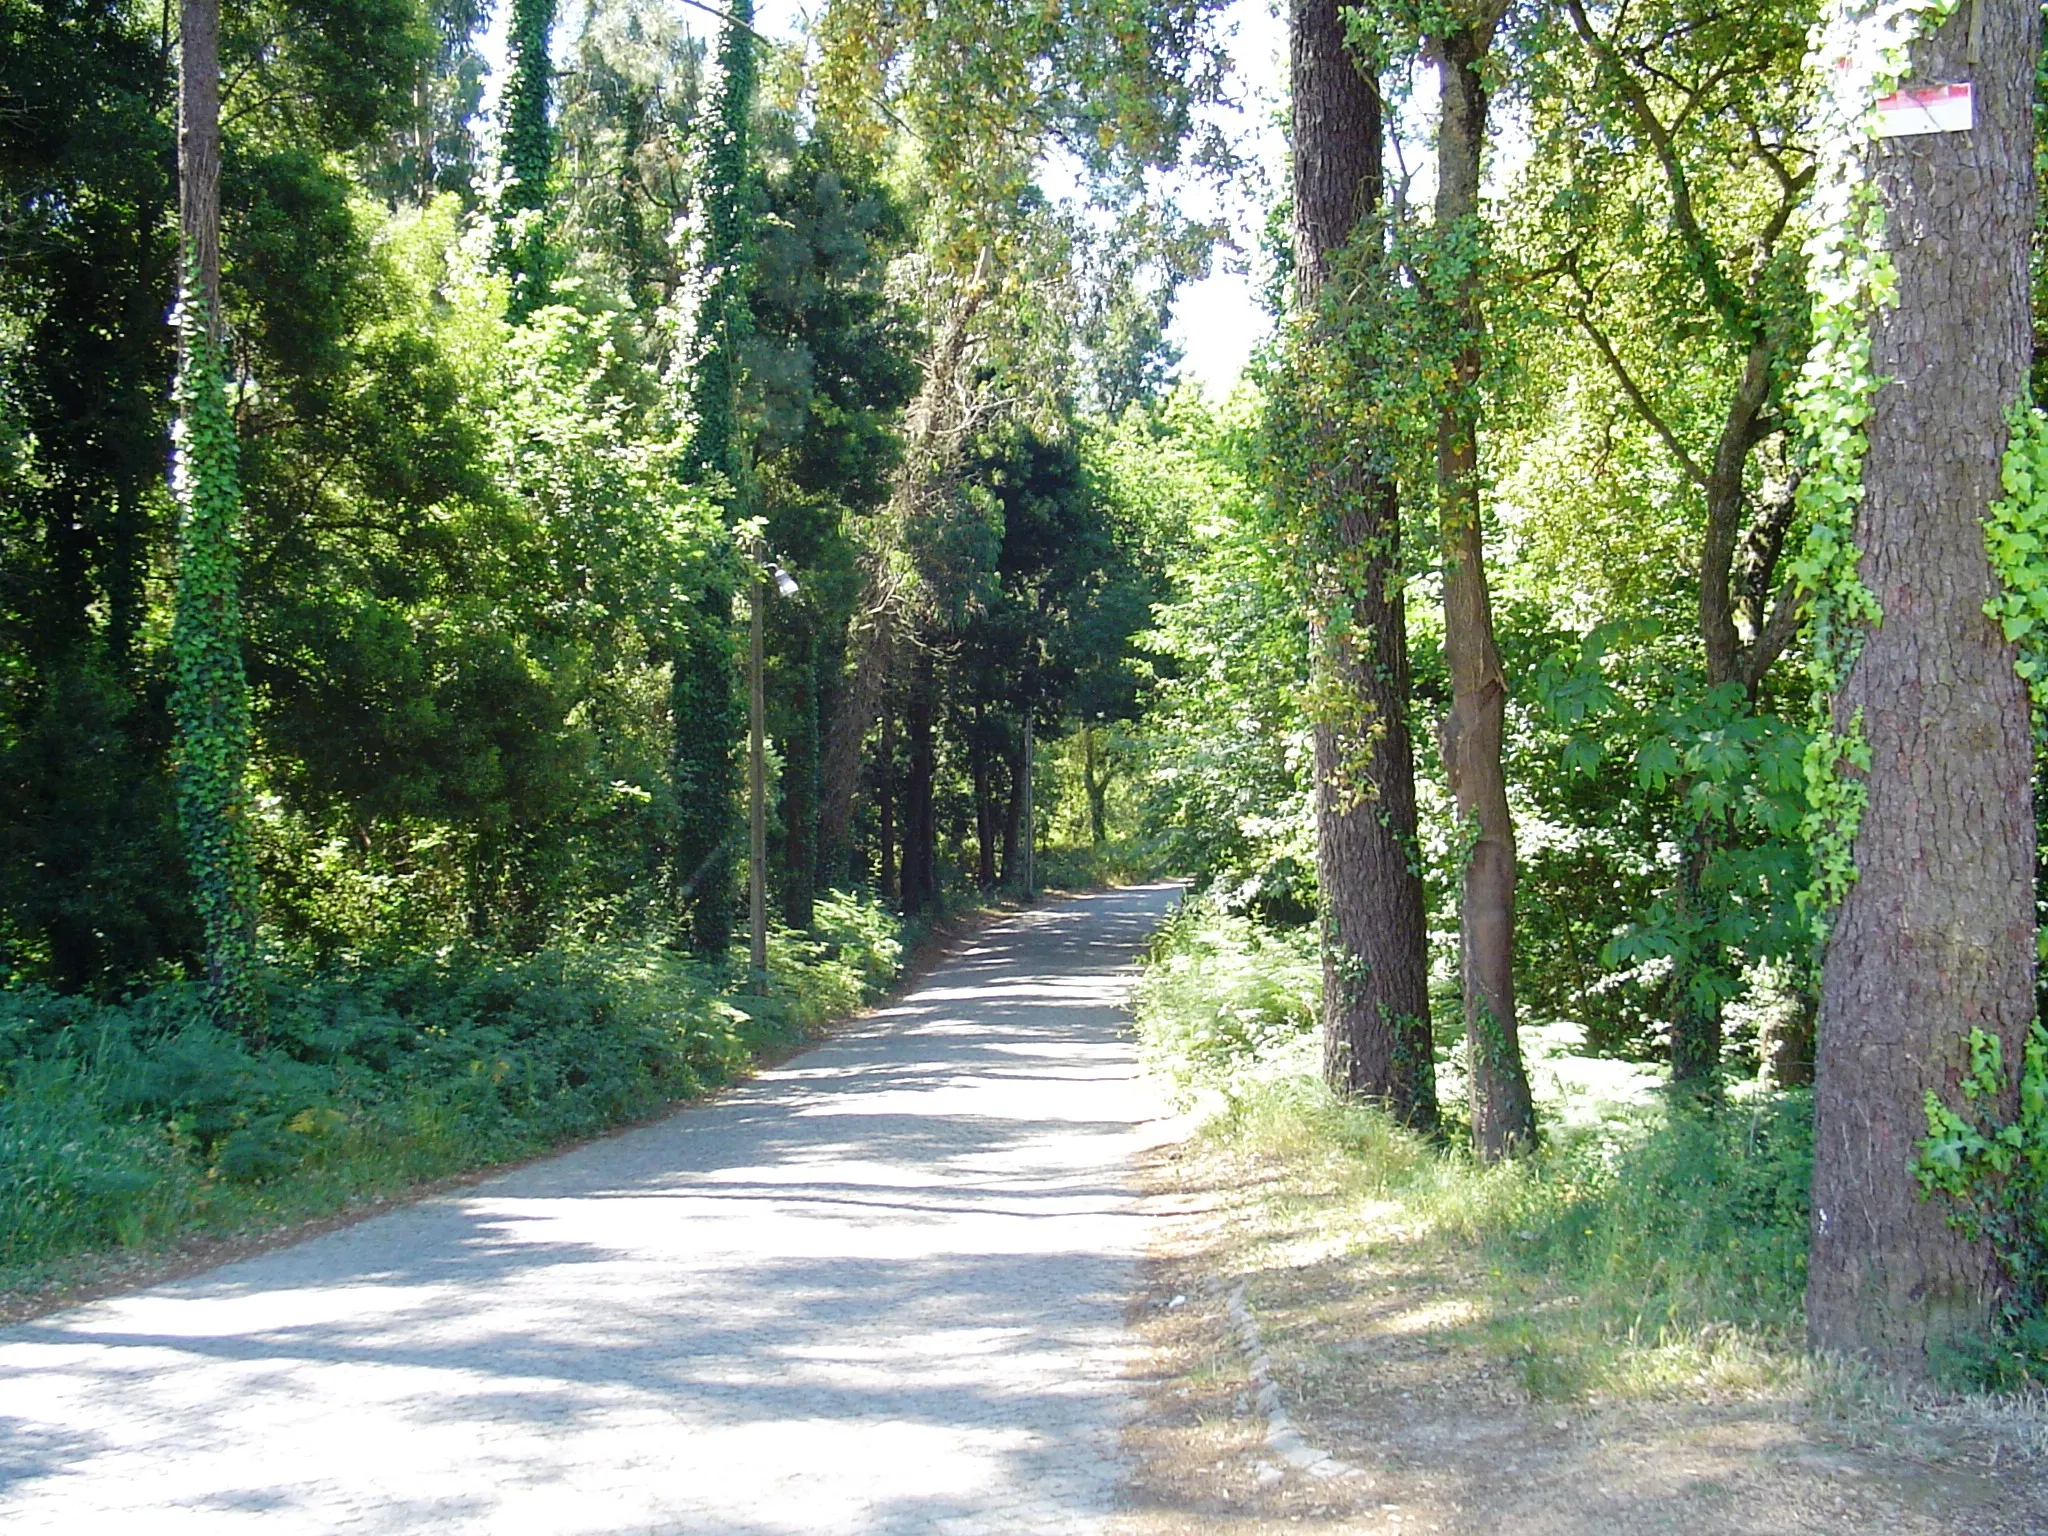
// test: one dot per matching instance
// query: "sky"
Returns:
(1217, 322)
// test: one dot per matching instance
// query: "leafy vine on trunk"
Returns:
(1859, 56)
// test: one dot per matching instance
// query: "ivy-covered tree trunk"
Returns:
(1935, 936)
(1376, 1039)
(1503, 1118)
(209, 691)
(704, 705)
(525, 251)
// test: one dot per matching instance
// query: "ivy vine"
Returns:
(209, 690)
(1860, 54)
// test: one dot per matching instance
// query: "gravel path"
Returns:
(877, 1290)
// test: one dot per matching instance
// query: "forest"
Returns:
(540, 553)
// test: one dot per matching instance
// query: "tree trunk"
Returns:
(1936, 936)
(1503, 1120)
(800, 774)
(1095, 779)
(885, 796)
(1013, 818)
(209, 689)
(920, 831)
(1376, 1039)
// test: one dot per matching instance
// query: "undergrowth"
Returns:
(130, 1125)
(1647, 1247)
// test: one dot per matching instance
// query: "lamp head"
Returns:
(785, 584)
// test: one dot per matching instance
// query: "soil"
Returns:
(1441, 1435)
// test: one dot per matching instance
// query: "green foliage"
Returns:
(2016, 540)
(1635, 731)
(1993, 1174)
(1862, 55)
(1220, 993)
(210, 692)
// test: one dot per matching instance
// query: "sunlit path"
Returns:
(877, 1290)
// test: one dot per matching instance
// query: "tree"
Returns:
(975, 94)
(1376, 1037)
(1703, 102)
(704, 702)
(526, 206)
(210, 692)
(1928, 723)
(1503, 1118)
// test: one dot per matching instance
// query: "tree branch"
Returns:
(1636, 396)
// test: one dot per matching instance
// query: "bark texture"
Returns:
(1937, 934)
(199, 152)
(1376, 1040)
(1503, 1118)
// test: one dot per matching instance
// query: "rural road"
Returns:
(876, 1290)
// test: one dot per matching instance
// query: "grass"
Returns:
(1660, 1252)
(134, 1126)
(1646, 1247)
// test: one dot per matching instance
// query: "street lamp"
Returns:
(765, 570)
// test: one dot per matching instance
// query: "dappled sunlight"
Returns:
(878, 1288)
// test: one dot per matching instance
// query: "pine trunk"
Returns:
(1503, 1119)
(1376, 1039)
(1936, 935)
(800, 775)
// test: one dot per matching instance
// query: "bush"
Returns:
(1220, 995)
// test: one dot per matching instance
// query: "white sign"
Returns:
(1929, 109)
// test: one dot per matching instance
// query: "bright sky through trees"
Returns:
(1217, 321)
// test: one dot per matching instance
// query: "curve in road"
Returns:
(877, 1290)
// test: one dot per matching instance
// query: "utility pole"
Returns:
(757, 787)
(765, 571)
(1030, 819)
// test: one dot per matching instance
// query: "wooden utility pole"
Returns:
(757, 786)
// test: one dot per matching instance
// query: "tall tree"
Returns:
(704, 701)
(210, 693)
(1503, 1119)
(526, 206)
(982, 91)
(1935, 937)
(1706, 97)
(1376, 1037)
